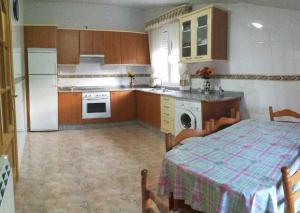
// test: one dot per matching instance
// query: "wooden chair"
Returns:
(166, 204)
(283, 113)
(288, 183)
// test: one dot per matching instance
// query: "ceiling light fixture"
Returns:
(257, 25)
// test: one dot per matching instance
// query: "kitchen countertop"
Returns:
(194, 95)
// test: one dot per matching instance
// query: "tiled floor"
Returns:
(92, 170)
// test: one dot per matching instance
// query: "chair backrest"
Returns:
(283, 113)
(288, 183)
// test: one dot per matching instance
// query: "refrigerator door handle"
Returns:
(54, 83)
(55, 68)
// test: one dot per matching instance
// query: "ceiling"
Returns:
(146, 4)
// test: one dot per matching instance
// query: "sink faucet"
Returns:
(155, 79)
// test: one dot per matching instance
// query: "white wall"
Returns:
(149, 14)
(19, 72)
(272, 50)
(79, 15)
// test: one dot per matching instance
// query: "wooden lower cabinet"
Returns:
(123, 108)
(69, 107)
(123, 105)
(148, 108)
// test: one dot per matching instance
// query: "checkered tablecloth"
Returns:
(234, 170)
(5, 172)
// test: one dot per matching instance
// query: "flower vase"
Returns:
(206, 86)
(131, 84)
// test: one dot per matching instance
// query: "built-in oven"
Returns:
(96, 105)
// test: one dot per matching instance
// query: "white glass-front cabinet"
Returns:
(203, 35)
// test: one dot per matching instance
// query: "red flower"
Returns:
(206, 72)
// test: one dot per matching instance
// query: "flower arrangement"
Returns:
(131, 75)
(205, 73)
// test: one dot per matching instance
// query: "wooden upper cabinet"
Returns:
(86, 42)
(40, 36)
(203, 35)
(68, 46)
(112, 47)
(98, 41)
(91, 42)
(142, 49)
(128, 48)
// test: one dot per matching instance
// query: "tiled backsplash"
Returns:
(101, 75)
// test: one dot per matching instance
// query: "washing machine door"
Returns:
(187, 120)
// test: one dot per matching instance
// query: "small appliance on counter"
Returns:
(43, 98)
(155, 82)
(185, 81)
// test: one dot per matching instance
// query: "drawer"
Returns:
(167, 127)
(167, 130)
(168, 114)
(167, 108)
(167, 123)
(164, 100)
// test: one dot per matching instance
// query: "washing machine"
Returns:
(187, 115)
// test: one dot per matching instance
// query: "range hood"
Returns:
(99, 59)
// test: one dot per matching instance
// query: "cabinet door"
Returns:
(203, 35)
(69, 108)
(86, 42)
(186, 39)
(154, 110)
(141, 105)
(112, 47)
(68, 46)
(98, 43)
(128, 48)
(40, 36)
(142, 49)
(123, 105)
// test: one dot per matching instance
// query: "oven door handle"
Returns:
(95, 99)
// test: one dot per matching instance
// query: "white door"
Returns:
(43, 102)
(42, 61)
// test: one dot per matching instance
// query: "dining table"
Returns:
(235, 170)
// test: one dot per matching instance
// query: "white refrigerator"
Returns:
(43, 97)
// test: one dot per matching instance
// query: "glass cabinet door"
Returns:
(186, 38)
(202, 35)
